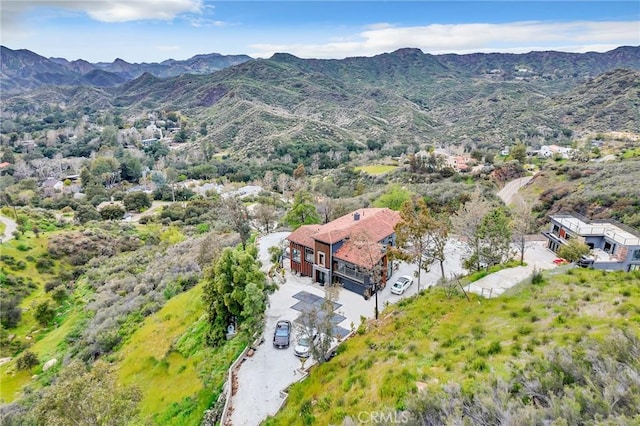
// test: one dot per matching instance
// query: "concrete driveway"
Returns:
(536, 256)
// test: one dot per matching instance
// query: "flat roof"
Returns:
(605, 228)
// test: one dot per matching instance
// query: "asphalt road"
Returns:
(506, 194)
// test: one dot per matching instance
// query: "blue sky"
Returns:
(154, 30)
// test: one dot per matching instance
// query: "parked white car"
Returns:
(400, 286)
(303, 348)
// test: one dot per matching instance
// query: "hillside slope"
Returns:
(428, 353)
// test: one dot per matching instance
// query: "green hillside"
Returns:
(433, 343)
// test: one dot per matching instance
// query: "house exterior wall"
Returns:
(299, 264)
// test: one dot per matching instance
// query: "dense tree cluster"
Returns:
(235, 293)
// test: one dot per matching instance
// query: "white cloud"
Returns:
(577, 36)
(106, 10)
(134, 10)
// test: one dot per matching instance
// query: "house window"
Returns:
(321, 258)
(636, 254)
(609, 248)
(308, 255)
(556, 229)
(295, 255)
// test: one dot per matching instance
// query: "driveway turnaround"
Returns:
(536, 256)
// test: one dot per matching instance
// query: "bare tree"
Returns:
(283, 182)
(415, 232)
(522, 224)
(238, 216)
(325, 209)
(374, 253)
(268, 180)
(21, 170)
(318, 320)
(467, 222)
(266, 215)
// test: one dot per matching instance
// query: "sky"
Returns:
(155, 30)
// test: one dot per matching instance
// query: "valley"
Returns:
(136, 202)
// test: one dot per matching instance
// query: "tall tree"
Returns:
(519, 152)
(283, 182)
(302, 212)
(415, 235)
(320, 320)
(266, 215)
(522, 224)
(495, 237)
(238, 215)
(268, 180)
(440, 237)
(466, 223)
(299, 172)
(234, 292)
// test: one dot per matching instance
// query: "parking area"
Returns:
(262, 376)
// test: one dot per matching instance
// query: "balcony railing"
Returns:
(349, 272)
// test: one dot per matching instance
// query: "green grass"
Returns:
(376, 169)
(431, 340)
(148, 358)
(168, 358)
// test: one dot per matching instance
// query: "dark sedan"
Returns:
(282, 335)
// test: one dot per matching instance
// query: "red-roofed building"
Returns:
(346, 250)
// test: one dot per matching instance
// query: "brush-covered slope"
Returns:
(435, 357)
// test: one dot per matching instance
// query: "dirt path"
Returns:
(135, 217)
(10, 226)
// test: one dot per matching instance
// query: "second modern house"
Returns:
(350, 250)
(614, 246)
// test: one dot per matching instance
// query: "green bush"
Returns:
(44, 313)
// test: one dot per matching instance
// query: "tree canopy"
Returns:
(234, 292)
(302, 212)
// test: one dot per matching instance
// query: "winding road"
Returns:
(506, 194)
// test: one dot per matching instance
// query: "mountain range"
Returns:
(262, 107)
(22, 69)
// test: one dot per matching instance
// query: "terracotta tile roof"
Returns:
(4, 164)
(376, 223)
(304, 235)
(360, 253)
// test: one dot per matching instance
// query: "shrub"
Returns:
(536, 277)
(10, 314)
(59, 294)
(27, 361)
(44, 313)
(136, 201)
(494, 348)
(112, 212)
(44, 264)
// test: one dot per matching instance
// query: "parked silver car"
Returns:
(400, 286)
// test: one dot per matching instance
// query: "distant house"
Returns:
(550, 150)
(348, 250)
(614, 246)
